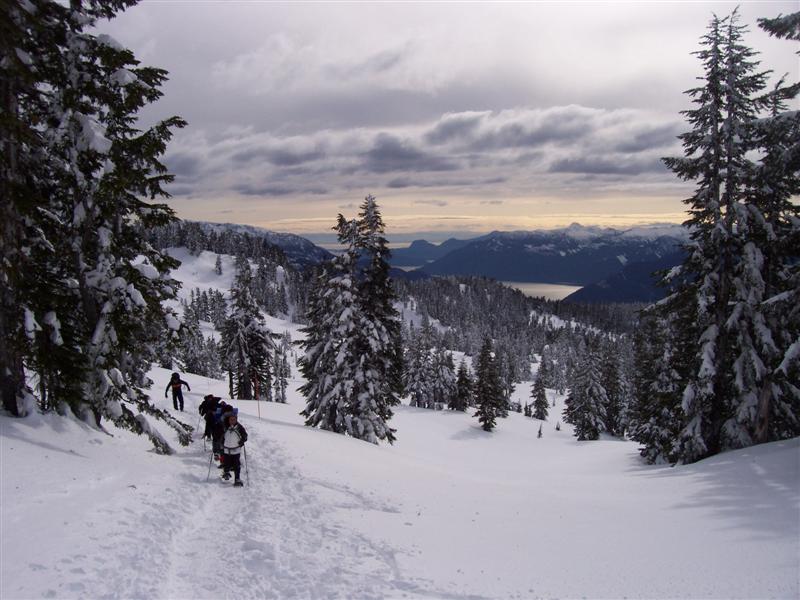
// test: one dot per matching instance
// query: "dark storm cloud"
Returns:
(264, 190)
(182, 165)
(453, 127)
(656, 137)
(390, 153)
(407, 182)
(608, 166)
(432, 202)
(563, 130)
(271, 189)
(277, 156)
(484, 136)
(180, 190)
(401, 182)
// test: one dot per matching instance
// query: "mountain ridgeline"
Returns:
(615, 265)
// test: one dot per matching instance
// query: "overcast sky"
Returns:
(458, 117)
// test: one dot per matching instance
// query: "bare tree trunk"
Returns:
(764, 411)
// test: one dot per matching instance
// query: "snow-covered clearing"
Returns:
(449, 511)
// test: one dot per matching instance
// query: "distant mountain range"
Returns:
(575, 255)
(611, 265)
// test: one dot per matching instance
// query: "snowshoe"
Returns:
(238, 483)
(226, 476)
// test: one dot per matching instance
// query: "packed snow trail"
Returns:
(157, 528)
(271, 539)
(267, 539)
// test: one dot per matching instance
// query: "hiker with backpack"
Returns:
(218, 429)
(176, 383)
(206, 409)
(233, 444)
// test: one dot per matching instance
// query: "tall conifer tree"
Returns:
(92, 312)
(540, 406)
(489, 396)
(351, 345)
(738, 270)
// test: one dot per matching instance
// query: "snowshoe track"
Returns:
(275, 538)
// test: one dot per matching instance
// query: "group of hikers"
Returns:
(222, 427)
(227, 435)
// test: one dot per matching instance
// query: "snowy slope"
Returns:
(448, 511)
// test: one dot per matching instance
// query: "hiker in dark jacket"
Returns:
(233, 441)
(218, 429)
(175, 383)
(206, 409)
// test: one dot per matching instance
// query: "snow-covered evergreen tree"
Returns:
(464, 389)
(350, 341)
(655, 415)
(507, 374)
(247, 346)
(444, 379)
(381, 326)
(97, 313)
(739, 263)
(769, 366)
(281, 372)
(540, 405)
(329, 345)
(418, 376)
(587, 400)
(611, 380)
(489, 397)
(192, 344)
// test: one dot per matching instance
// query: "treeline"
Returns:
(278, 287)
(197, 237)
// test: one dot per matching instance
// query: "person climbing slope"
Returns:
(233, 442)
(206, 409)
(175, 383)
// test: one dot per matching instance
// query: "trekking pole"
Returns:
(210, 459)
(246, 472)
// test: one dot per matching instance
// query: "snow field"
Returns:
(448, 511)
